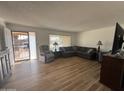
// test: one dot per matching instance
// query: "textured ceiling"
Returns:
(65, 16)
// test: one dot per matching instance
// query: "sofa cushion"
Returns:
(75, 48)
(68, 49)
(79, 49)
(62, 49)
(70, 52)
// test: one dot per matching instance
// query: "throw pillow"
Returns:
(90, 50)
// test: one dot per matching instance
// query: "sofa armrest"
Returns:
(46, 52)
(93, 54)
(42, 54)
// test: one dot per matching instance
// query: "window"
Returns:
(62, 41)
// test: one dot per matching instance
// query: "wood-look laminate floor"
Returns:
(72, 73)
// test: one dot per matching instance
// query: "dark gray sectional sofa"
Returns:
(84, 52)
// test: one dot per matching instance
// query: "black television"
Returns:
(118, 39)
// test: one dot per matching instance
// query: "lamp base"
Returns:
(98, 48)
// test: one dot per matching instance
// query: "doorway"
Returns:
(21, 46)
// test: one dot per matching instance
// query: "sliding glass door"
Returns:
(21, 46)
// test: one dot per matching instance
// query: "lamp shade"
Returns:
(55, 43)
(99, 43)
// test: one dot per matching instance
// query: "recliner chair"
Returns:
(46, 55)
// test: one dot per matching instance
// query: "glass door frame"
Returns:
(13, 45)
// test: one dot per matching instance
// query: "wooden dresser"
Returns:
(5, 66)
(112, 72)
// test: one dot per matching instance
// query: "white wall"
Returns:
(90, 38)
(2, 25)
(42, 35)
(2, 22)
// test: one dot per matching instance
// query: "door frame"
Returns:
(13, 46)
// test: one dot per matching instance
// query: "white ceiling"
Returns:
(65, 16)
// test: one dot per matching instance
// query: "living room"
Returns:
(60, 45)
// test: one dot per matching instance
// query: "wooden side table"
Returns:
(101, 54)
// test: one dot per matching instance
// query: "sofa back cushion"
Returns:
(62, 49)
(75, 48)
(82, 49)
(89, 51)
(65, 49)
(44, 48)
(69, 49)
(86, 49)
